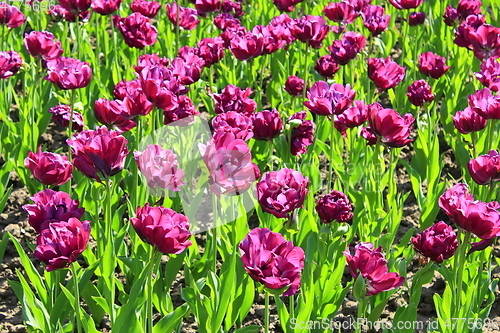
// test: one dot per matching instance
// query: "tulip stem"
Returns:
(149, 303)
(332, 152)
(266, 312)
(77, 297)
(306, 69)
(110, 242)
(473, 136)
(459, 270)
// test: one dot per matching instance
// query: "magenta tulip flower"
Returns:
(406, 4)
(390, 127)
(211, 50)
(302, 135)
(75, 6)
(49, 168)
(327, 100)
(281, 192)
(311, 30)
(163, 228)
(10, 63)
(438, 242)
(419, 93)
(468, 121)
(182, 114)
(271, 260)
(113, 114)
(286, 5)
(489, 74)
(346, 49)
(485, 104)
(334, 206)
(485, 168)
(294, 86)
(238, 124)
(145, 7)
(375, 19)
(233, 98)
(184, 17)
(61, 114)
(69, 73)
(267, 124)
(11, 16)
(99, 153)
(352, 117)
(62, 242)
(105, 7)
(372, 266)
(385, 73)
(340, 12)
(416, 18)
(326, 66)
(50, 206)
(432, 65)
(136, 30)
(42, 44)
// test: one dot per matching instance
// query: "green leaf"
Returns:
(172, 320)
(248, 329)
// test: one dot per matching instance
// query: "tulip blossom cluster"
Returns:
(480, 218)
(271, 260)
(372, 266)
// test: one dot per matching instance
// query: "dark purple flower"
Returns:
(388, 125)
(62, 242)
(438, 242)
(69, 73)
(238, 124)
(281, 192)
(225, 20)
(206, 6)
(105, 7)
(113, 114)
(10, 63)
(42, 43)
(416, 18)
(432, 65)
(406, 4)
(346, 49)
(385, 73)
(160, 168)
(372, 266)
(59, 13)
(271, 260)
(326, 66)
(136, 30)
(148, 60)
(211, 50)
(419, 93)
(310, 29)
(302, 135)
(163, 228)
(334, 206)
(485, 104)
(340, 12)
(182, 114)
(50, 206)
(468, 121)
(233, 98)
(11, 16)
(145, 7)
(325, 100)
(75, 6)
(294, 86)
(286, 5)
(247, 46)
(61, 114)
(489, 75)
(375, 19)
(49, 168)
(187, 70)
(267, 124)
(184, 17)
(485, 168)
(229, 162)
(352, 117)
(99, 153)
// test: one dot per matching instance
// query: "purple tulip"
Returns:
(281, 192)
(207, 6)
(50, 206)
(346, 49)
(233, 98)
(10, 63)
(419, 93)
(375, 19)
(136, 30)
(477, 217)
(271, 260)
(69, 73)
(406, 4)
(247, 46)
(99, 153)
(294, 86)
(163, 228)
(184, 17)
(75, 6)
(352, 117)
(326, 66)
(485, 168)
(211, 50)
(468, 121)
(372, 266)
(463, 33)
(483, 41)
(187, 70)
(183, 114)
(224, 21)
(416, 18)
(438, 242)
(105, 7)
(145, 7)
(266, 124)
(49, 168)
(62, 242)
(286, 5)
(160, 167)
(340, 12)
(334, 206)
(388, 125)
(61, 114)
(359, 5)
(113, 114)
(135, 101)
(302, 135)
(238, 124)
(489, 74)
(469, 7)
(11, 16)
(385, 73)
(325, 100)
(432, 65)
(310, 29)
(485, 104)
(229, 162)
(42, 43)
(148, 60)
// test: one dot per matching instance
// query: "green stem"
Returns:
(77, 297)
(149, 303)
(361, 314)
(266, 313)
(332, 152)
(306, 69)
(459, 270)
(109, 237)
(214, 233)
(473, 136)
(491, 135)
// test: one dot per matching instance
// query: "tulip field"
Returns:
(249, 166)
